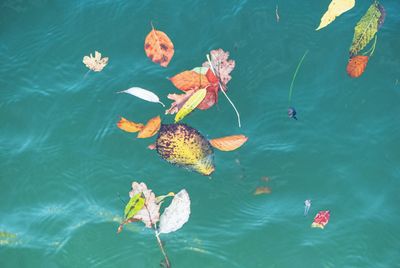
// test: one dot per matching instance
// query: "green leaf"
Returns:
(365, 29)
(200, 70)
(134, 205)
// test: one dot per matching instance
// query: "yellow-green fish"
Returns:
(184, 146)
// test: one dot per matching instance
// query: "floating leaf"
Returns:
(188, 80)
(129, 126)
(228, 143)
(134, 205)
(179, 101)
(152, 146)
(321, 219)
(335, 9)
(95, 63)
(143, 94)
(191, 104)
(357, 65)
(382, 17)
(158, 47)
(366, 29)
(150, 213)
(151, 128)
(201, 70)
(176, 214)
(262, 190)
(185, 147)
(222, 66)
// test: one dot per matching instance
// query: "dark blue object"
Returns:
(292, 113)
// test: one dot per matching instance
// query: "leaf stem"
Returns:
(372, 49)
(294, 76)
(220, 86)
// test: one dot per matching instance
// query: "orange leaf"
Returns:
(357, 65)
(129, 126)
(262, 190)
(188, 80)
(228, 143)
(151, 128)
(158, 47)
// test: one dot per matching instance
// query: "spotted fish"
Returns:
(184, 146)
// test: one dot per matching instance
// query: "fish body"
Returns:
(184, 146)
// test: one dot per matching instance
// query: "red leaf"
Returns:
(357, 65)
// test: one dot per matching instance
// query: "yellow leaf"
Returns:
(191, 104)
(262, 190)
(335, 9)
(129, 126)
(151, 128)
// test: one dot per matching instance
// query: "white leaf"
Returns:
(95, 63)
(177, 214)
(335, 9)
(143, 94)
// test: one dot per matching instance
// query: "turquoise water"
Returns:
(64, 161)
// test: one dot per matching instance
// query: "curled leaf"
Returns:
(143, 94)
(262, 190)
(335, 9)
(179, 101)
(357, 65)
(95, 63)
(321, 219)
(151, 128)
(188, 80)
(190, 104)
(158, 47)
(366, 29)
(228, 143)
(129, 126)
(176, 214)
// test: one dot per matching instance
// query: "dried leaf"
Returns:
(134, 205)
(184, 146)
(152, 146)
(357, 65)
(228, 143)
(150, 213)
(179, 101)
(321, 219)
(366, 29)
(191, 104)
(143, 94)
(95, 63)
(129, 126)
(151, 128)
(262, 190)
(222, 66)
(158, 47)
(335, 9)
(176, 214)
(188, 80)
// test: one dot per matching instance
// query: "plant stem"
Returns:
(220, 86)
(294, 76)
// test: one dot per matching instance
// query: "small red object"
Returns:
(321, 219)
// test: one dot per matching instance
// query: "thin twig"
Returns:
(294, 76)
(222, 89)
(276, 13)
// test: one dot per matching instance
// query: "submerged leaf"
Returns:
(228, 143)
(176, 214)
(335, 9)
(188, 80)
(321, 219)
(357, 65)
(151, 128)
(129, 126)
(262, 190)
(191, 104)
(143, 94)
(95, 63)
(366, 29)
(185, 147)
(158, 47)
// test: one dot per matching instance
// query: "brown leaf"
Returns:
(179, 101)
(188, 80)
(129, 126)
(159, 48)
(151, 128)
(228, 143)
(357, 65)
(262, 190)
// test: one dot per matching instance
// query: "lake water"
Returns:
(64, 163)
